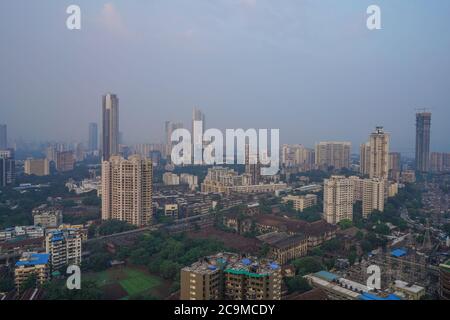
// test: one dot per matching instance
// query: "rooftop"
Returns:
(400, 252)
(233, 263)
(33, 259)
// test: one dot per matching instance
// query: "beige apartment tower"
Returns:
(394, 165)
(333, 154)
(37, 167)
(364, 159)
(127, 190)
(338, 199)
(379, 154)
(373, 196)
(110, 126)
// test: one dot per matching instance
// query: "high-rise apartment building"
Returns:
(93, 137)
(110, 128)
(364, 158)
(394, 165)
(65, 161)
(37, 167)
(379, 154)
(423, 128)
(229, 276)
(127, 190)
(169, 128)
(298, 156)
(64, 247)
(371, 192)
(373, 196)
(252, 166)
(7, 167)
(197, 139)
(3, 136)
(50, 154)
(437, 162)
(338, 199)
(333, 154)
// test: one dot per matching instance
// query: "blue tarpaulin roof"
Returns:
(399, 252)
(370, 296)
(35, 259)
(326, 275)
(246, 261)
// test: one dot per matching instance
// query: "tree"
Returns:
(382, 228)
(297, 284)
(6, 284)
(114, 226)
(446, 228)
(57, 290)
(345, 224)
(307, 265)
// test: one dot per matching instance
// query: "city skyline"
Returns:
(308, 92)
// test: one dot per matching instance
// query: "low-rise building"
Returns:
(285, 247)
(47, 217)
(29, 232)
(171, 210)
(408, 291)
(171, 179)
(32, 264)
(231, 277)
(444, 280)
(300, 203)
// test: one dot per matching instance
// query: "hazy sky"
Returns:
(308, 67)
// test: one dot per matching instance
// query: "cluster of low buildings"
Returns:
(226, 180)
(44, 248)
(172, 179)
(231, 276)
(85, 186)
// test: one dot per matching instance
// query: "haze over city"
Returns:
(310, 68)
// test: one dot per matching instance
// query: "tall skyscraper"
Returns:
(197, 145)
(423, 127)
(394, 165)
(127, 190)
(7, 167)
(65, 161)
(338, 199)
(3, 137)
(169, 128)
(379, 154)
(333, 154)
(93, 137)
(252, 166)
(364, 158)
(110, 130)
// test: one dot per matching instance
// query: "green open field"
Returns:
(138, 282)
(126, 282)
